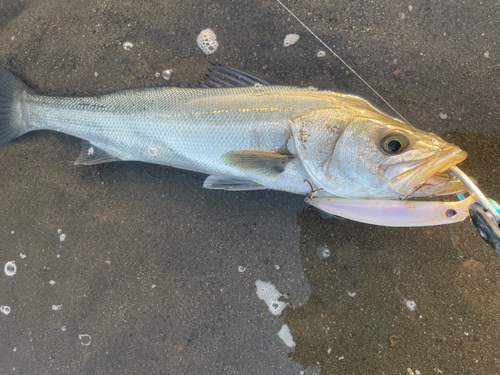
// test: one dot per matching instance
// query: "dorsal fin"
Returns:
(224, 76)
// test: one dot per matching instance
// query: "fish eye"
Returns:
(394, 143)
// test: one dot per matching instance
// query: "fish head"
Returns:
(363, 153)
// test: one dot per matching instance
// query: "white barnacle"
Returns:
(5, 310)
(10, 268)
(411, 305)
(85, 339)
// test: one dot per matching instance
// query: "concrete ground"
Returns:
(147, 279)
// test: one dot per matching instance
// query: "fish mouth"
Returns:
(427, 177)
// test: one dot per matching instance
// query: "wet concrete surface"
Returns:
(147, 277)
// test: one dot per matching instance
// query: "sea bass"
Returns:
(246, 134)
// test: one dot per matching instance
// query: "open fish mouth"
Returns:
(426, 178)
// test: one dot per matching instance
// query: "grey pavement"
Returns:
(147, 278)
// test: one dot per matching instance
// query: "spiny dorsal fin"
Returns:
(224, 76)
(266, 164)
(91, 155)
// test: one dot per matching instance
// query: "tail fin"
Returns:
(11, 88)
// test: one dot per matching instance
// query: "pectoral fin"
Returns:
(267, 164)
(91, 155)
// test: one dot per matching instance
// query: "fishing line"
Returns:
(343, 62)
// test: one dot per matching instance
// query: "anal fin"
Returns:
(91, 155)
(231, 183)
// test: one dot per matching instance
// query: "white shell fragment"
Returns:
(321, 54)
(290, 39)
(443, 116)
(10, 268)
(286, 336)
(128, 46)
(411, 305)
(241, 269)
(207, 41)
(56, 307)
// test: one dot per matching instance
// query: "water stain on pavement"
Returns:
(453, 284)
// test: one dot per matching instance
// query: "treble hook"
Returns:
(310, 195)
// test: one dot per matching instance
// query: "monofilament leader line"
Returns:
(343, 62)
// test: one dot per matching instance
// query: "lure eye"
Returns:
(394, 143)
(451, 213)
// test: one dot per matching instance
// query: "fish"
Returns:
(245, 133)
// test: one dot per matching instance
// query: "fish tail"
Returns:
(11, 91)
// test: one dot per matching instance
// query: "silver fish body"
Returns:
(253, 137)
(188, 128)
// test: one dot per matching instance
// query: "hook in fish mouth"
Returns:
(427, 177)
